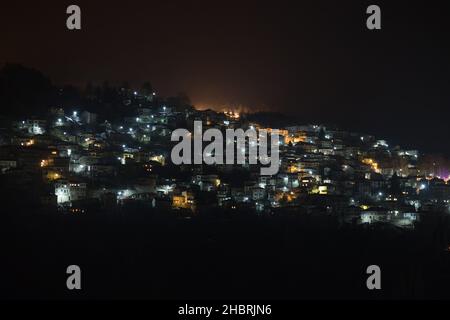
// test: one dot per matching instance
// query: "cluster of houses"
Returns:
(85, 162)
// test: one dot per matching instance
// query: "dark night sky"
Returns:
(313, 59)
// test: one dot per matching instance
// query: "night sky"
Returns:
(314, 60)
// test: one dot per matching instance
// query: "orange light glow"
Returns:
(372, 163)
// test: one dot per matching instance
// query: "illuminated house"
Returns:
(405, 219)
(50, 174)
(397, 217)
(185, 200)
(26, 157)
(258, 193)
(289, 180)
(206, 182)
(66, 191)
(67, 150)
(436, 189)
(62, 191)
(22, 141)
(375, 214)
(77, 191)
(223, 194)
(232, 114)
(267, 182)
(323, 189)
(282, 134)
(34, 126)
(158, 158)
(239, 195)
(162, 130)
(295, 138)
(54, 167)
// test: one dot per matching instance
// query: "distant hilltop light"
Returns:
(232, 114)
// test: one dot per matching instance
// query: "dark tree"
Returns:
(24, 91)
(395, 189)
(147, 89)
